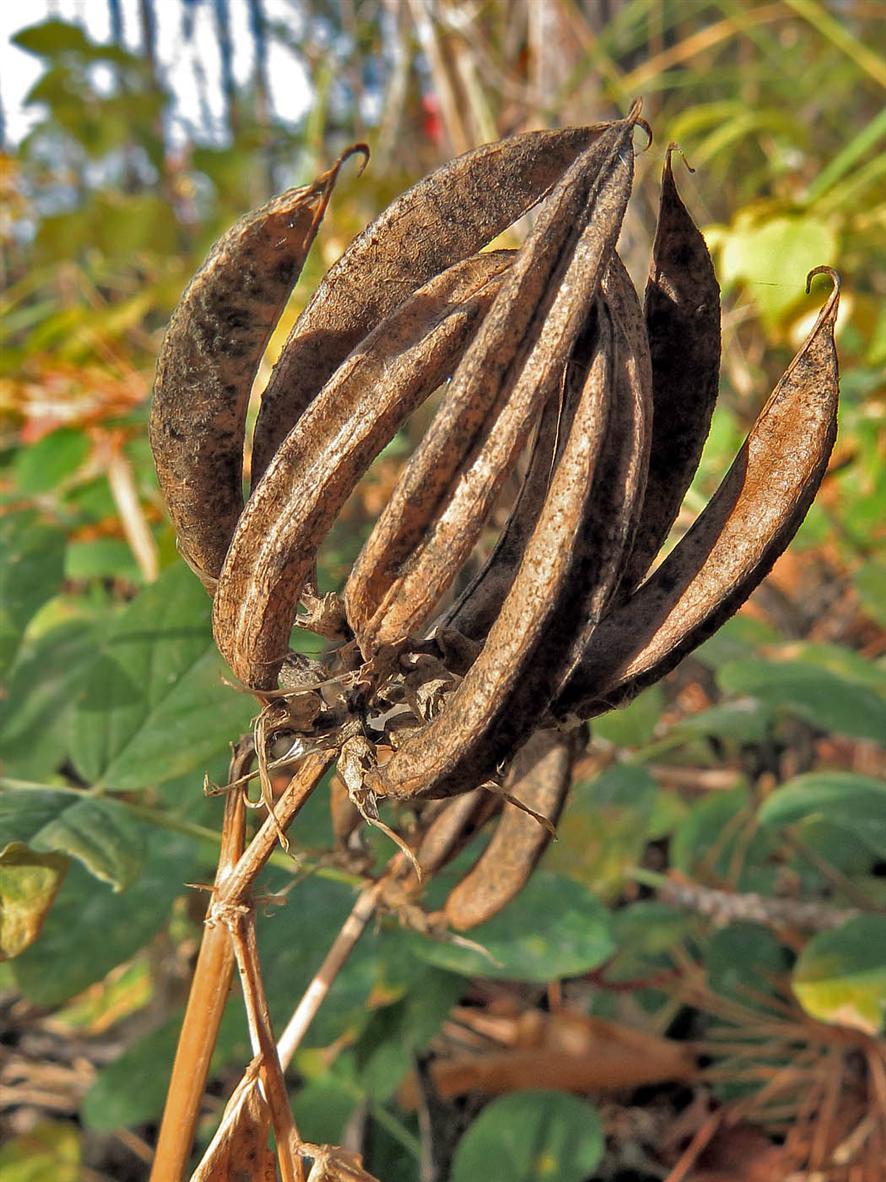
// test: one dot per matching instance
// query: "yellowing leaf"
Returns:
(28, 884)
(772, 256)
(840, 976)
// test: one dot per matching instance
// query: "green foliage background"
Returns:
(114, 703)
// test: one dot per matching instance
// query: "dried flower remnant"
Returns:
(549, 340)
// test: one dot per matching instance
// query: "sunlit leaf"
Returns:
(840, 976)
(29, 882)
(154, 704)
(102, 835)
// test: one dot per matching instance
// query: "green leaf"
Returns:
(870, 583)
(154, 705)
(734, 640)
(554, 928)
(605, 827)
(816, 695)
(29, 883)
(850, 801)
(131, 1090)
(742, 960)
(531, 1137)
(742, 722)
(45, 464)
(52, 37)
(395, 1034)
(31, 571)
(49, 1150)
(101, 834)
(36, 713)
(635, 724)
(101, 558)
(90, 929)
(772, 256)
(717, 841)
(840, 976)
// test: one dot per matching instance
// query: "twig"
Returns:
(240, 922)
(241, 1112)
(206, 1003)
(212, 976)
(308, 774)
(730, 906)
(135, 527)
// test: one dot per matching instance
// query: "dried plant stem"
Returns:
(212, 976)
(206, 1003)
(729, 907)
(334, 961)
(240, 1110)
(235, 890)
(240, 922)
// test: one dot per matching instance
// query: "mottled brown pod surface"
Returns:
(316, 467)
(209, 359)
(495, 706)
(447, 216)
(731, 547)
(448, 487)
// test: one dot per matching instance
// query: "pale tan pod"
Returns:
(446, 216)
(449, 485)
(209, 358)
(316, 467)
(540, 777)
(749, 521)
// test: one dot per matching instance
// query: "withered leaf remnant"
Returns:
(458, 705)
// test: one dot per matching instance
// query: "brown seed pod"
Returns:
(359, 410)
(446, 216)
(450, 829)
(209, 358)
(478, 605)
(503, 693)
(515, 364)
(539, 777)
(731, 547)
(683, 322)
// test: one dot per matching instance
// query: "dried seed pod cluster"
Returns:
(544, 350)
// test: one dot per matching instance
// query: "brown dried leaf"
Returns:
(749, 521)
(209, 358)
(446, 216)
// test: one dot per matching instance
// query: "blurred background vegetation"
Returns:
(755, 770)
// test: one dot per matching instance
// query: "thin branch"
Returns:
(206, 1003)
(242, 1113)
(240, 922)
